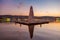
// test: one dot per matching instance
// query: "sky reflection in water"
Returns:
(10, 31)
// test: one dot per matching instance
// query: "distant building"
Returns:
(57, 19)
(8, 19)
(0, 19)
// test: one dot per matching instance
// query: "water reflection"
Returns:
(10, 31)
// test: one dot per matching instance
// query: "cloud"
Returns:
(20, 5)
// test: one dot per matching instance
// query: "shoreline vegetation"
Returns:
(12, 22)
(9, 18)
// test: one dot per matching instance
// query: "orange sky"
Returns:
(20, 7)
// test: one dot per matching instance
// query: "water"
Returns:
(10, 31)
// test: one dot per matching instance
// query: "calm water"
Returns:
(10, 31)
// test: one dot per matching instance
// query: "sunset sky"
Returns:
(21, 7)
